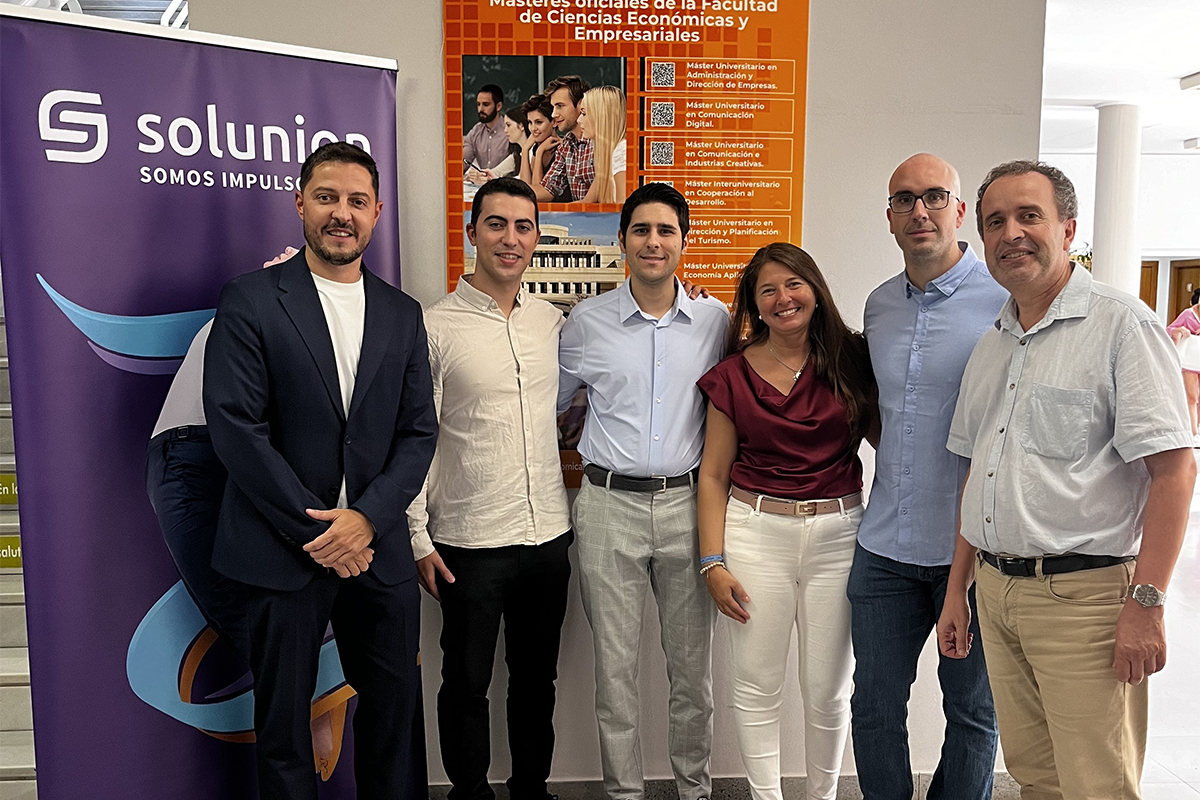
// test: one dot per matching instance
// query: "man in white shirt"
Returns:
(1073, 513)
(491, 529)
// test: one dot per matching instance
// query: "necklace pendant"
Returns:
(796, 377)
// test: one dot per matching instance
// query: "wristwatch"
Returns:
(1147, 594)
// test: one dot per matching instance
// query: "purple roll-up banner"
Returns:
(140, 169)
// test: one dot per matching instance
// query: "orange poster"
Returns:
(714, 98)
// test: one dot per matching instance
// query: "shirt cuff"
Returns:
(422, 545)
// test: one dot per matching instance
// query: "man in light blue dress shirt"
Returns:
(640, 349)
(921, 326)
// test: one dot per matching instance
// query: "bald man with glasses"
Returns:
(921, 326)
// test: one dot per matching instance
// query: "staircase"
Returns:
(16, 713)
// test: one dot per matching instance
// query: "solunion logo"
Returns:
(48, 123)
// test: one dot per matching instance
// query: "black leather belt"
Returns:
(182, 432)
(658, 483)
(1051, 565)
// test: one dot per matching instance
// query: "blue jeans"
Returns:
(893, 608)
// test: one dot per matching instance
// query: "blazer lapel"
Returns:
(298, 294)
(377, 332)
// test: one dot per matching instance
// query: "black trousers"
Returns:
(377, 628)
(185, 481)
(280, 634)
(526, 586)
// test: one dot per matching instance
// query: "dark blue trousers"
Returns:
(894, 606)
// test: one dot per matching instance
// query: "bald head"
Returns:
(929, 167)
(928, 237)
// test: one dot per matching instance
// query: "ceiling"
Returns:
(1117, 51)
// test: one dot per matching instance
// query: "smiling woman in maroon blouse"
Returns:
(780, 499)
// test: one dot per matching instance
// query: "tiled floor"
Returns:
(1173, 750)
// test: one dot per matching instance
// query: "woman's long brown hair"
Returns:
(838, 355)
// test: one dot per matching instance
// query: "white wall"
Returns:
(1168, 208)
(874, 99)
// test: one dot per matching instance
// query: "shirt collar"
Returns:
(495, 125)
(1072, 302)
(952, 278)
(481, 300)
(627, 306)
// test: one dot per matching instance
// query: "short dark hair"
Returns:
(573, 83)
(509, 185)
(343, 153)
(495, 91)
(656, 193)
(539, 103)
(1064, 190)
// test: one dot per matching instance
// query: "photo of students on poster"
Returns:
(713, 105)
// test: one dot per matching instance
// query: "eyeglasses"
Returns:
(934, 199)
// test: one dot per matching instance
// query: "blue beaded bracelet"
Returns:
(711, 559)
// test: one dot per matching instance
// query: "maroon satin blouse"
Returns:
(795, 446)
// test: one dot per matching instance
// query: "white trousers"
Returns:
(795, 571)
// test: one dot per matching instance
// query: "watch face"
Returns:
(1147, 594)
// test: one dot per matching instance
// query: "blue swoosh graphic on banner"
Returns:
(161, 643)
(158, 336)
(140, 366)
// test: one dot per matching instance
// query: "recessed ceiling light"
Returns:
(1191, 144)
(1190, 81)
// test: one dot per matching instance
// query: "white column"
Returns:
(1116, 259)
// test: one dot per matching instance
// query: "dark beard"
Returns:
(335, 259)
(486, 119)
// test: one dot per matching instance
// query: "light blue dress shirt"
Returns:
(645, 415)
(920, 342)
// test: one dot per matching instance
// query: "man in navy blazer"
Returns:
(319, 402)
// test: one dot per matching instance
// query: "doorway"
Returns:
(1149, 287)
(1185, 278)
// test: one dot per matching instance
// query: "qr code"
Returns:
(662, 74)
(662, 154)
(662, 115)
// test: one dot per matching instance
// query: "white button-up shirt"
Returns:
(496, 478)
(1056, 421)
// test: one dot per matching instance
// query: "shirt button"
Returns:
(904, 511)
(916, 347)
(658, 399)
(912, 388)
(660, 363)
(907, 470)
(924, 309)
(1012, 386)
(908, 430)
(987, 519)
(1002, 430)
(1023, 341)
(656, 438)
(347, 440)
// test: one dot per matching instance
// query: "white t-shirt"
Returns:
(345, 307)
(618, 157)
(185, 399)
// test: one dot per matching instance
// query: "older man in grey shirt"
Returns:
(1072, 413)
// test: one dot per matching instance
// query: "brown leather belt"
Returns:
(796, 508)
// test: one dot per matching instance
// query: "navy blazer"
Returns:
(274, 410)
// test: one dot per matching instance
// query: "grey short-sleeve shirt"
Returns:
(1056, 421)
